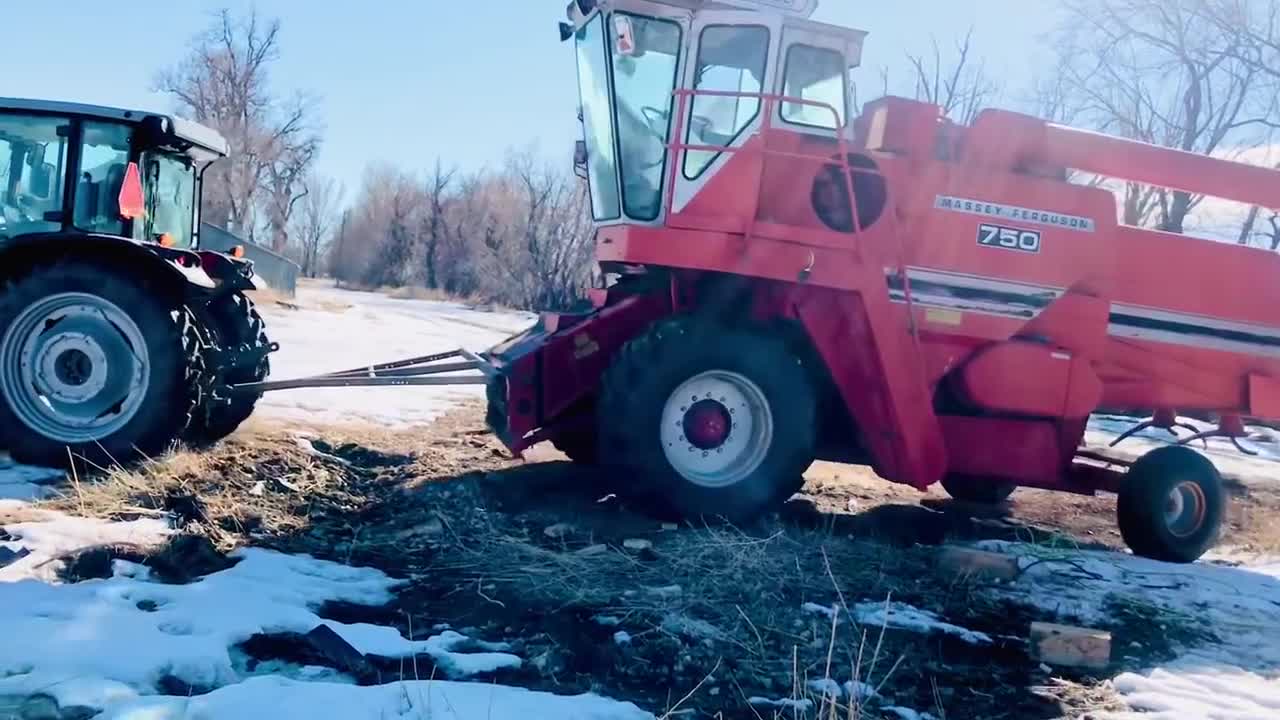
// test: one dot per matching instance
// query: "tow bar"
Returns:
(425, 370)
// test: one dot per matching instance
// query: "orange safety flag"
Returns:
(130, 200)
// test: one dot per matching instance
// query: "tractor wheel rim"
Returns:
(716, 428)
(74, 368)
(1185, 509)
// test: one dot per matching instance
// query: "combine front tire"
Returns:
(93, 366)
(237, 337)
(707, 420)
(1171, 505)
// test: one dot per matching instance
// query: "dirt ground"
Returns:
(686, 621)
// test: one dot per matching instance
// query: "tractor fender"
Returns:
(230, 273)
(180, 273)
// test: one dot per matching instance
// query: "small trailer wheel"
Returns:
(978, 490)
(708, 421)
(1171, 505)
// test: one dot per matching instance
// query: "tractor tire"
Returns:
(232, 325)
(708, 421)
(93, 367)
(580, 447)
(977, 490)
(1171, 505)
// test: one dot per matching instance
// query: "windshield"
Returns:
(597, 119)
(644, 81)
(33, 154)
(169, 183)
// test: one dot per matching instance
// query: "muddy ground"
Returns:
(686, 621)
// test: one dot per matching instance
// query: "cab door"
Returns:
(731, 52)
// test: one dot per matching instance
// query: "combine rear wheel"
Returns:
(92, 366)
(1171, 505)
(236, 337)
(709, 421)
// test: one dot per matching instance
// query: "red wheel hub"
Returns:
(707, 424)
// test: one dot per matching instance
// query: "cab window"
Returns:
(815, 74)
(104, 157)
(731, 58)
(33, 157)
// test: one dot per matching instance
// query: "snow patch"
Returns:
(1236, 598)
(907, 713)
(49, 535)
(851, 688)
(186, 631)
(829, 610)
(901, 616)
(455, 653)
(802, 705)
(293, 700)
(23, 482)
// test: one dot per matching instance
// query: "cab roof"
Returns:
(192, 132)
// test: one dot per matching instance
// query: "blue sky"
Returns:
(405, 81)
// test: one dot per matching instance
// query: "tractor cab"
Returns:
(673, 92)
(71, 168)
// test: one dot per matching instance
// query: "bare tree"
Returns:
(1160, 71)
(316, 222)
(959, 85)
(224, 82)
(435, 224)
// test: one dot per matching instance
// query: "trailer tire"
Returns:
(745, 382)
(977, 490)
(113, 348)
(232, 324)
(1171, 505)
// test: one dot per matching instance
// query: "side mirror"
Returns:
(42, 180)
(580, 159)
(624, 39)
(566, 32)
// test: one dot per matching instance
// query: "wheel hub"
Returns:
(707, 424)
(74, 367)
(70, 367)
(717, 428)
(1185, 509)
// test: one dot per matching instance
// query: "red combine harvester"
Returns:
(793, 283)
(936, 300)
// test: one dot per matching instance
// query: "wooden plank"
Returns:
(970, 563)
(1068, 646)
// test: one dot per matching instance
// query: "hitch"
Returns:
(427, 370)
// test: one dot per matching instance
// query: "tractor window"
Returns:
(170, 191)
(104, 157)
(33, 157)
(731, 58)
(816, 74)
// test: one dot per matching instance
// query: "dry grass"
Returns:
(250, 488)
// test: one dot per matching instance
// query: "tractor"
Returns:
(119, 337)
(791, 279)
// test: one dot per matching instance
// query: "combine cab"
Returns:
(118, 336)
(792, 281)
